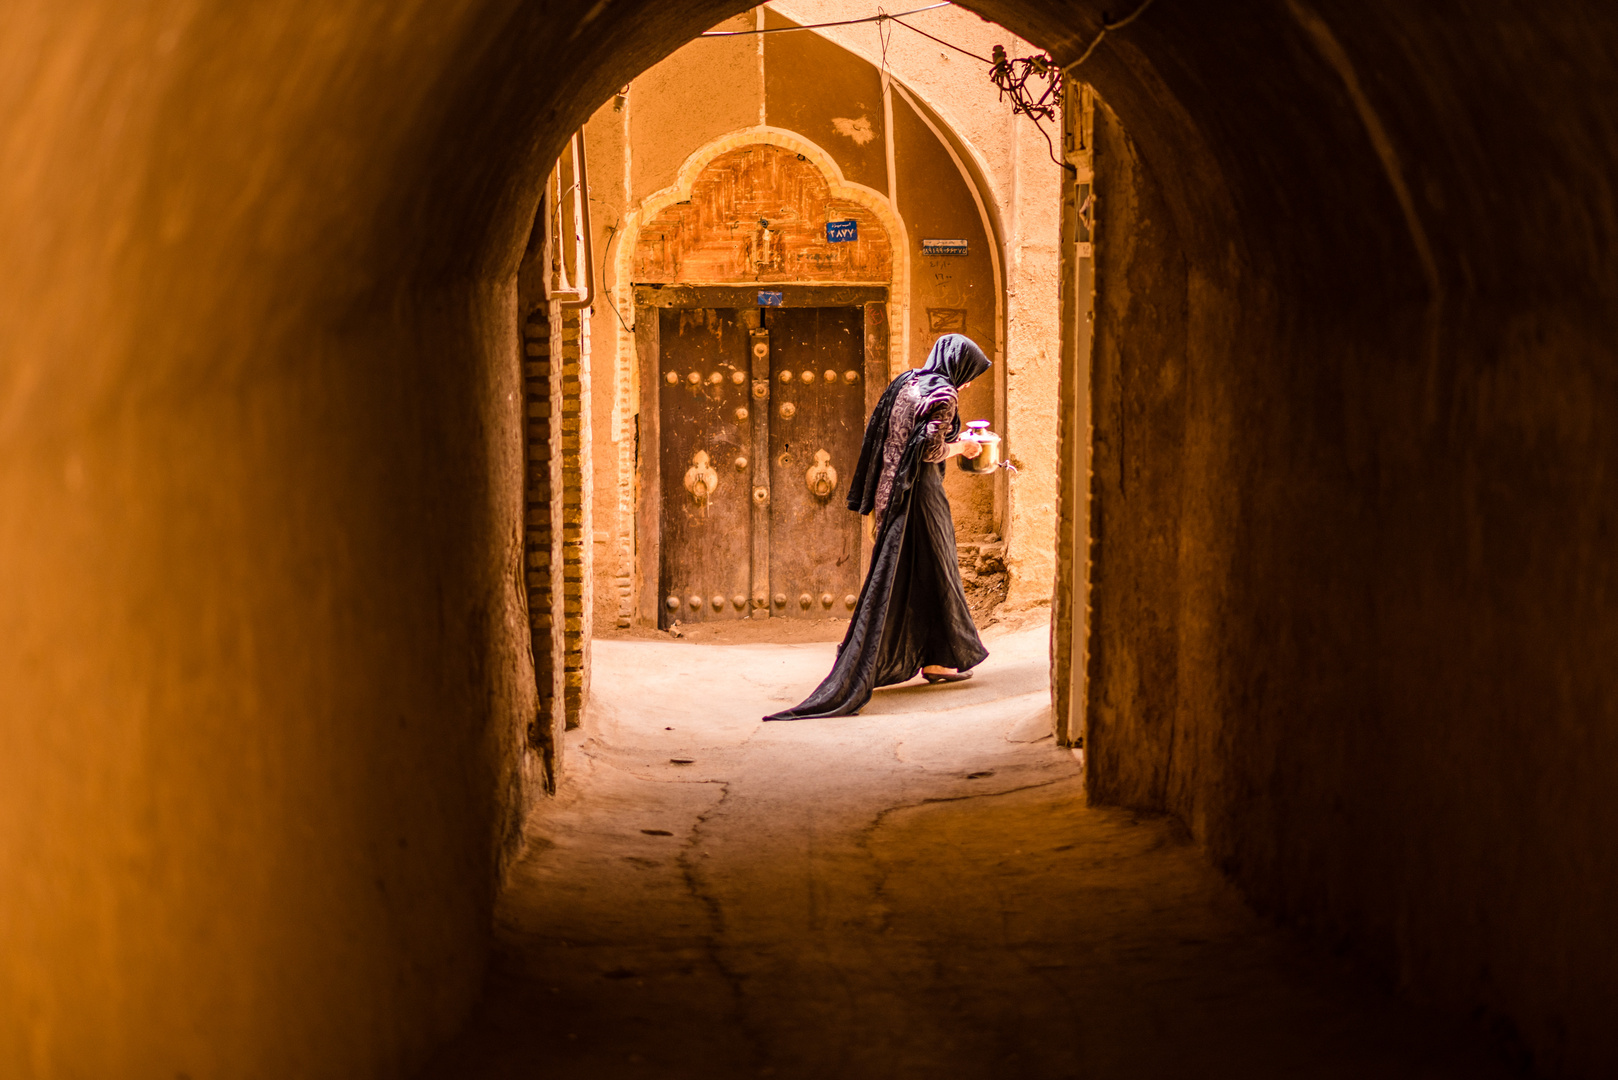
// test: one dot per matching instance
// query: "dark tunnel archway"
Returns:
(1352, 582)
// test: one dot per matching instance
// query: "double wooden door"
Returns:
(760, 416)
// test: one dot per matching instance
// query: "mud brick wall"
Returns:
(543, 533)
(577, 554)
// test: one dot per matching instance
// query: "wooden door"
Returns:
(817, 418)
(759, 430)
(705, 427)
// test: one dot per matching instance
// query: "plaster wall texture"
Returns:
(262, 665)
(612, 365)
(638, 141)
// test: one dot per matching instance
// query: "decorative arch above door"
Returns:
(812, 174)
(763, 213)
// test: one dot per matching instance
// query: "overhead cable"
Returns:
(1106, 26)
(879, 17)
(941, 41)
(1009, 75)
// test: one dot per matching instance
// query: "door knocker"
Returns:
(700, 478)
(822, 478)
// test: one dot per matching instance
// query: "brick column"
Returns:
(577, 535)
(543, 536)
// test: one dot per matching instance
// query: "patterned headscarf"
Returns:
(957, 358)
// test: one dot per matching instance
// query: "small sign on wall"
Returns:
(841, 232)
(943, 247)
(769, 299)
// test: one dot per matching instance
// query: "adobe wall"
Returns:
(1354, 407)
(264, 669)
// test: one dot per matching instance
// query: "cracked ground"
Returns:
(917, 891)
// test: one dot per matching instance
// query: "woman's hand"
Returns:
(967, 448)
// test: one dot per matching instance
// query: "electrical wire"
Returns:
(1106, 26)
(941, 41)
(884, 34)
(1003, 73)
(612, 301)
(1131, 17)
(1010, 77)
(880, 17)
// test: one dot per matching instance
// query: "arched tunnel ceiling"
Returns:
(1244, 110)
(258, 405)
(454, 113)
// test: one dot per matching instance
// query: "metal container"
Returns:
(988, 459)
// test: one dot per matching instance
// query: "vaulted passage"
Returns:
(1334, 587)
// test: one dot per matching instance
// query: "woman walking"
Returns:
(912, 613)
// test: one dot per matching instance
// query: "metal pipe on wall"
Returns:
(581, 216)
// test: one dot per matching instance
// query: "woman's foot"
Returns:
(933, 673)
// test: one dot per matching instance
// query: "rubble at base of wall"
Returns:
(983, 573)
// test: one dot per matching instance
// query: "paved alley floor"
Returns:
(918, 891)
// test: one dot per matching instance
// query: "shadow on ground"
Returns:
(920, 891)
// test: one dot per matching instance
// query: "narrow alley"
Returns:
(428, 435)
(918, 891)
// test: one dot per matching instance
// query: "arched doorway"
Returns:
(762, 287)
(908, 165)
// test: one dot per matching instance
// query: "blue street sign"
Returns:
(769, 299)
(841, 232)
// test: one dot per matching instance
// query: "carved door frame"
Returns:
(872, 299)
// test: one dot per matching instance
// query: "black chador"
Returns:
(912, 610)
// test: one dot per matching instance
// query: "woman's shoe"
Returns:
(946, 676)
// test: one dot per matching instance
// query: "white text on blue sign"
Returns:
(841, 232)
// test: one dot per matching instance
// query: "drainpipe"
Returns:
(581, 214)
